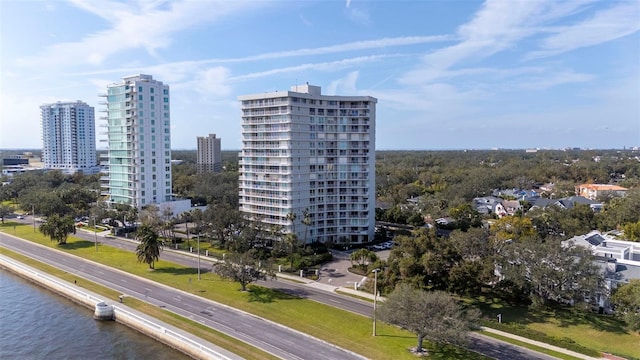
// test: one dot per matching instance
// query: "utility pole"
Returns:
(33, 216)
(95, 232)
(198, 256)
(375, 297)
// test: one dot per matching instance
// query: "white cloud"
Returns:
(182, 67)
(606, 25)
(358, 15)
(149, 25)
(325, 66)
(497, 26)
(555, 79)
(345, 85)
(211, 82)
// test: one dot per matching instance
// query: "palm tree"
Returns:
(58, 228)
(148, 251)
(291, 239)
(306, 221)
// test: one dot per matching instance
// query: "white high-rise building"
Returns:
(209, 154)
(139, 142)
(69, 137)
(304, 153)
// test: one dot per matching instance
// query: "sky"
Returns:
(447, 74)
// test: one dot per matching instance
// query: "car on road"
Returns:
(20, 217)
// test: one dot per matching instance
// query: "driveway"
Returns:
(336, 272)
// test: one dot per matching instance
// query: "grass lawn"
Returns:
(530, 346)
(236, 346)
(603, 333)
(336, 326)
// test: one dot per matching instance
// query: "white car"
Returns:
(20, 217)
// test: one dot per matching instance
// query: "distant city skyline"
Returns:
(447, 75)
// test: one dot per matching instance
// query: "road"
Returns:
(278, 340)
(482, 344)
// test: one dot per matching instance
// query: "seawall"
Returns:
(165, 333)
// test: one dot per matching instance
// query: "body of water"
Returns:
(38, 324)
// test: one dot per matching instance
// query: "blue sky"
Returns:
(447, 74)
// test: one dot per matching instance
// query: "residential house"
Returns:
(493, 205)
(619, 260)
(567, 203)
(598, 191)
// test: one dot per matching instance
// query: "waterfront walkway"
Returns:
(345, 286)
(170, 334)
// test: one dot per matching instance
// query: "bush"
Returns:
(521, 330)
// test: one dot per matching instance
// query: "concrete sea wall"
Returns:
(165, 333)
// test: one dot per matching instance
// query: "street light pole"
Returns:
(375, 297)
(198, 256)
(95, 232)
(33, 216)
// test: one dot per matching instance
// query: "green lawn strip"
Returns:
(529, 346)
(227, 342)
(355, 296)
(342, 328)
(600, 333)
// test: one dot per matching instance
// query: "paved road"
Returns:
(482, 344)
(273, 338)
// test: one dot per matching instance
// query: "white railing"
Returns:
(80, 295)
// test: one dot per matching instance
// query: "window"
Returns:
(140, 97)
(139, 88)
(165, 99)
(151, 90)
(152, 98)
(165, 91)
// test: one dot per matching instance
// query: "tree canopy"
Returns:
(243, 268)
(148, 251)
(626, 299)
(58, 228)
(431, 315)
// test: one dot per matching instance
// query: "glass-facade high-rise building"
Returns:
(139, 142)
(69, 137)
(304, 153)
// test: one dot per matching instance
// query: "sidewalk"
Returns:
(539, 344)
(357, 293)
(362, 294)
(179, 339)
